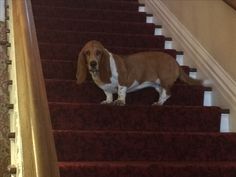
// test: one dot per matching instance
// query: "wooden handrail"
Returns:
(38, 147)
(231, 3)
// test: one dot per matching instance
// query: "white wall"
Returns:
(213, 23)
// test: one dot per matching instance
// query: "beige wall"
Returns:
(213, 23)
(2, 10)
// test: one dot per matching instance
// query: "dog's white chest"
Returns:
(113, 86)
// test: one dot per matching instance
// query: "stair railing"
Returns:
(34, 129)
(231, 3)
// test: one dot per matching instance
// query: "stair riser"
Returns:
(155, 118)
(94, 14)
(126, 0)
(123, 146)
(91, 4)
(140, 41)
(71, 51)
(94, 26)
(90, 93)
(53, 69)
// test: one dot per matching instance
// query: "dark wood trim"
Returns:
(231, 3)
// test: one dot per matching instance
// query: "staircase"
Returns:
(179, 139)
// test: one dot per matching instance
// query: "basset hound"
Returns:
(124, 74)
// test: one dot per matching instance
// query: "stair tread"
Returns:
(144, 145)
(148, 133)
(77, 104)
(75, 116)
(147, 169)
(89, 92)
(145, 163)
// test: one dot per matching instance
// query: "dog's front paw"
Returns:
(157, 104)
(161, 100)
(119, 102)
(106, 102)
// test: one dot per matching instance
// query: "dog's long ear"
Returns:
(82, 69)
(104, 67)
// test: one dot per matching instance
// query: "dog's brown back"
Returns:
(150, 66)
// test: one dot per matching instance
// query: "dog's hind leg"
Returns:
(163, 95)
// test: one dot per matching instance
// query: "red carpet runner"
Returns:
(179, 139)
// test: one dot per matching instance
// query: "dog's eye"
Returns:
(87, 53)
(98, 53)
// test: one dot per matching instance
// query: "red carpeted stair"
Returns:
(178, 139)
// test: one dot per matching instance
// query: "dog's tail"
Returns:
(185, 78)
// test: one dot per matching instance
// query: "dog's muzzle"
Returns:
(93, 67)
(93, 64)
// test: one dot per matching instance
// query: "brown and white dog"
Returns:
(124, 74)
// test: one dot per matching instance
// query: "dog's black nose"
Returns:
(93, 64)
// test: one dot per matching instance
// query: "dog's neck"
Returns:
(114, 73)
(94, 74)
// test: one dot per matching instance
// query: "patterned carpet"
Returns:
(179, 139)
(4, 99)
